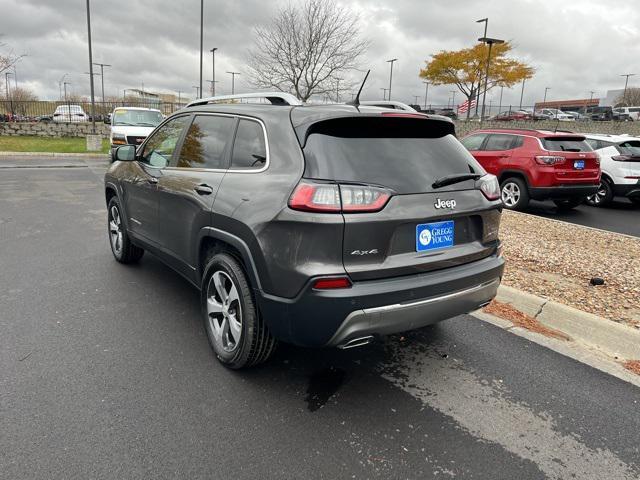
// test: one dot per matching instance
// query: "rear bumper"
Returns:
(381, 307)
(627, 190)
(562, 191)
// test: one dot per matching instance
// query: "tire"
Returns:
(514, 193)
(603, 196)
(568, 204)
(235, 328)
(123, 250)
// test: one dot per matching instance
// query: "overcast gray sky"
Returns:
(575, 45)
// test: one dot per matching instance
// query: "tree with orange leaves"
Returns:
(465, 69)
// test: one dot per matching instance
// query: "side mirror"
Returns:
(126, 153)
(107, 120)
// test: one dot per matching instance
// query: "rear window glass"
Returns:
(566, 144)
(631, 148)
(404, 154)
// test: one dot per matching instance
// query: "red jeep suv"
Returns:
(537, 165)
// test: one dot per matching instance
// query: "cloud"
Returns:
(576, 45)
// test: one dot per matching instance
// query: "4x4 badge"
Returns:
(445, 204)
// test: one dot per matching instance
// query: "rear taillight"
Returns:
(549, 159)
(336, 198)
(489, 186)
(332, 283)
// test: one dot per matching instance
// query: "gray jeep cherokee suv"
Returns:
(314, 225)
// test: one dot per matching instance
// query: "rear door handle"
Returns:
(203, 189)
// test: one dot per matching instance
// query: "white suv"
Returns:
(131, 125)
(70, 114)
(620, 164)
(632, 112)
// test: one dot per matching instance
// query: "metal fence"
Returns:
(73, 111)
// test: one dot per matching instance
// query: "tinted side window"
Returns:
(206, 142)
(160, 146)
(474, 142)
(249, 150)
(499, 142)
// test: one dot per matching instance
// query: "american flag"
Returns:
(465, 106)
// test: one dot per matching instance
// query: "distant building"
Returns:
(149, 99)
(569, 104)
(610, 98)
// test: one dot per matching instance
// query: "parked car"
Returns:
(447, 112)
(537, 165)
(603, 114)
(620, 164)
(576, 115)
(313, 225)
(70, 113)
(555, 114)
(632, 112)
(131, 125)
(512, 115)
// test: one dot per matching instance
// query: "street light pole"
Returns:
(415, 99)
(391, 74)
(213, 71)
(626, 83)
(233, 81)
(201, 38)
(6, 86)
(93, 98)
(486, 26)
(453, 99)
(490, 42)
(102, 65)
(521, 94)
(426, 94)
(500, 106)
(384, 93)
(197, 91)
(544, 100)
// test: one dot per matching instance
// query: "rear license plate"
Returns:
(578, 164)
(430, 236)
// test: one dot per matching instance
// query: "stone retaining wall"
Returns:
(611, 128)
(52, 129)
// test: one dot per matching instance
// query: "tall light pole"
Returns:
(544, 100)
(391, 74)
(626, 83)
(500, 105)
(415, 99)
(233, 81)
(591, 97)
(213, 71)
(426, 94)
(6, 86)
(93, 98)
(486, 26)
(522, 93)
(179, 97)
(197, 91)
(60, 85)
(201, 39)
(490, 42)
(384, 93)
(453, 99)
(102, 65)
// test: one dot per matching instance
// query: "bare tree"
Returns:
(630, 99)
(7, 60)
(306, 50)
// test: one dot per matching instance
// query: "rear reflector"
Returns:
(335, 198)
(331, 283)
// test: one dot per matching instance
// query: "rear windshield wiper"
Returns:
(456, 178)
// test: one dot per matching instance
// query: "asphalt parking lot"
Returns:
(105, 372)
(621, 216)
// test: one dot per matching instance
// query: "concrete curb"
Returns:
(611, 338)
(52, 154)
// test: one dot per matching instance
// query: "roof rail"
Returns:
(389, 104)
(276, 98)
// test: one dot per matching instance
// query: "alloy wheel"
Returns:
(510, 194)
(599, 196)
(224, 311)
(115, 230)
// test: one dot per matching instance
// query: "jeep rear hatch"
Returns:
(407, 190)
